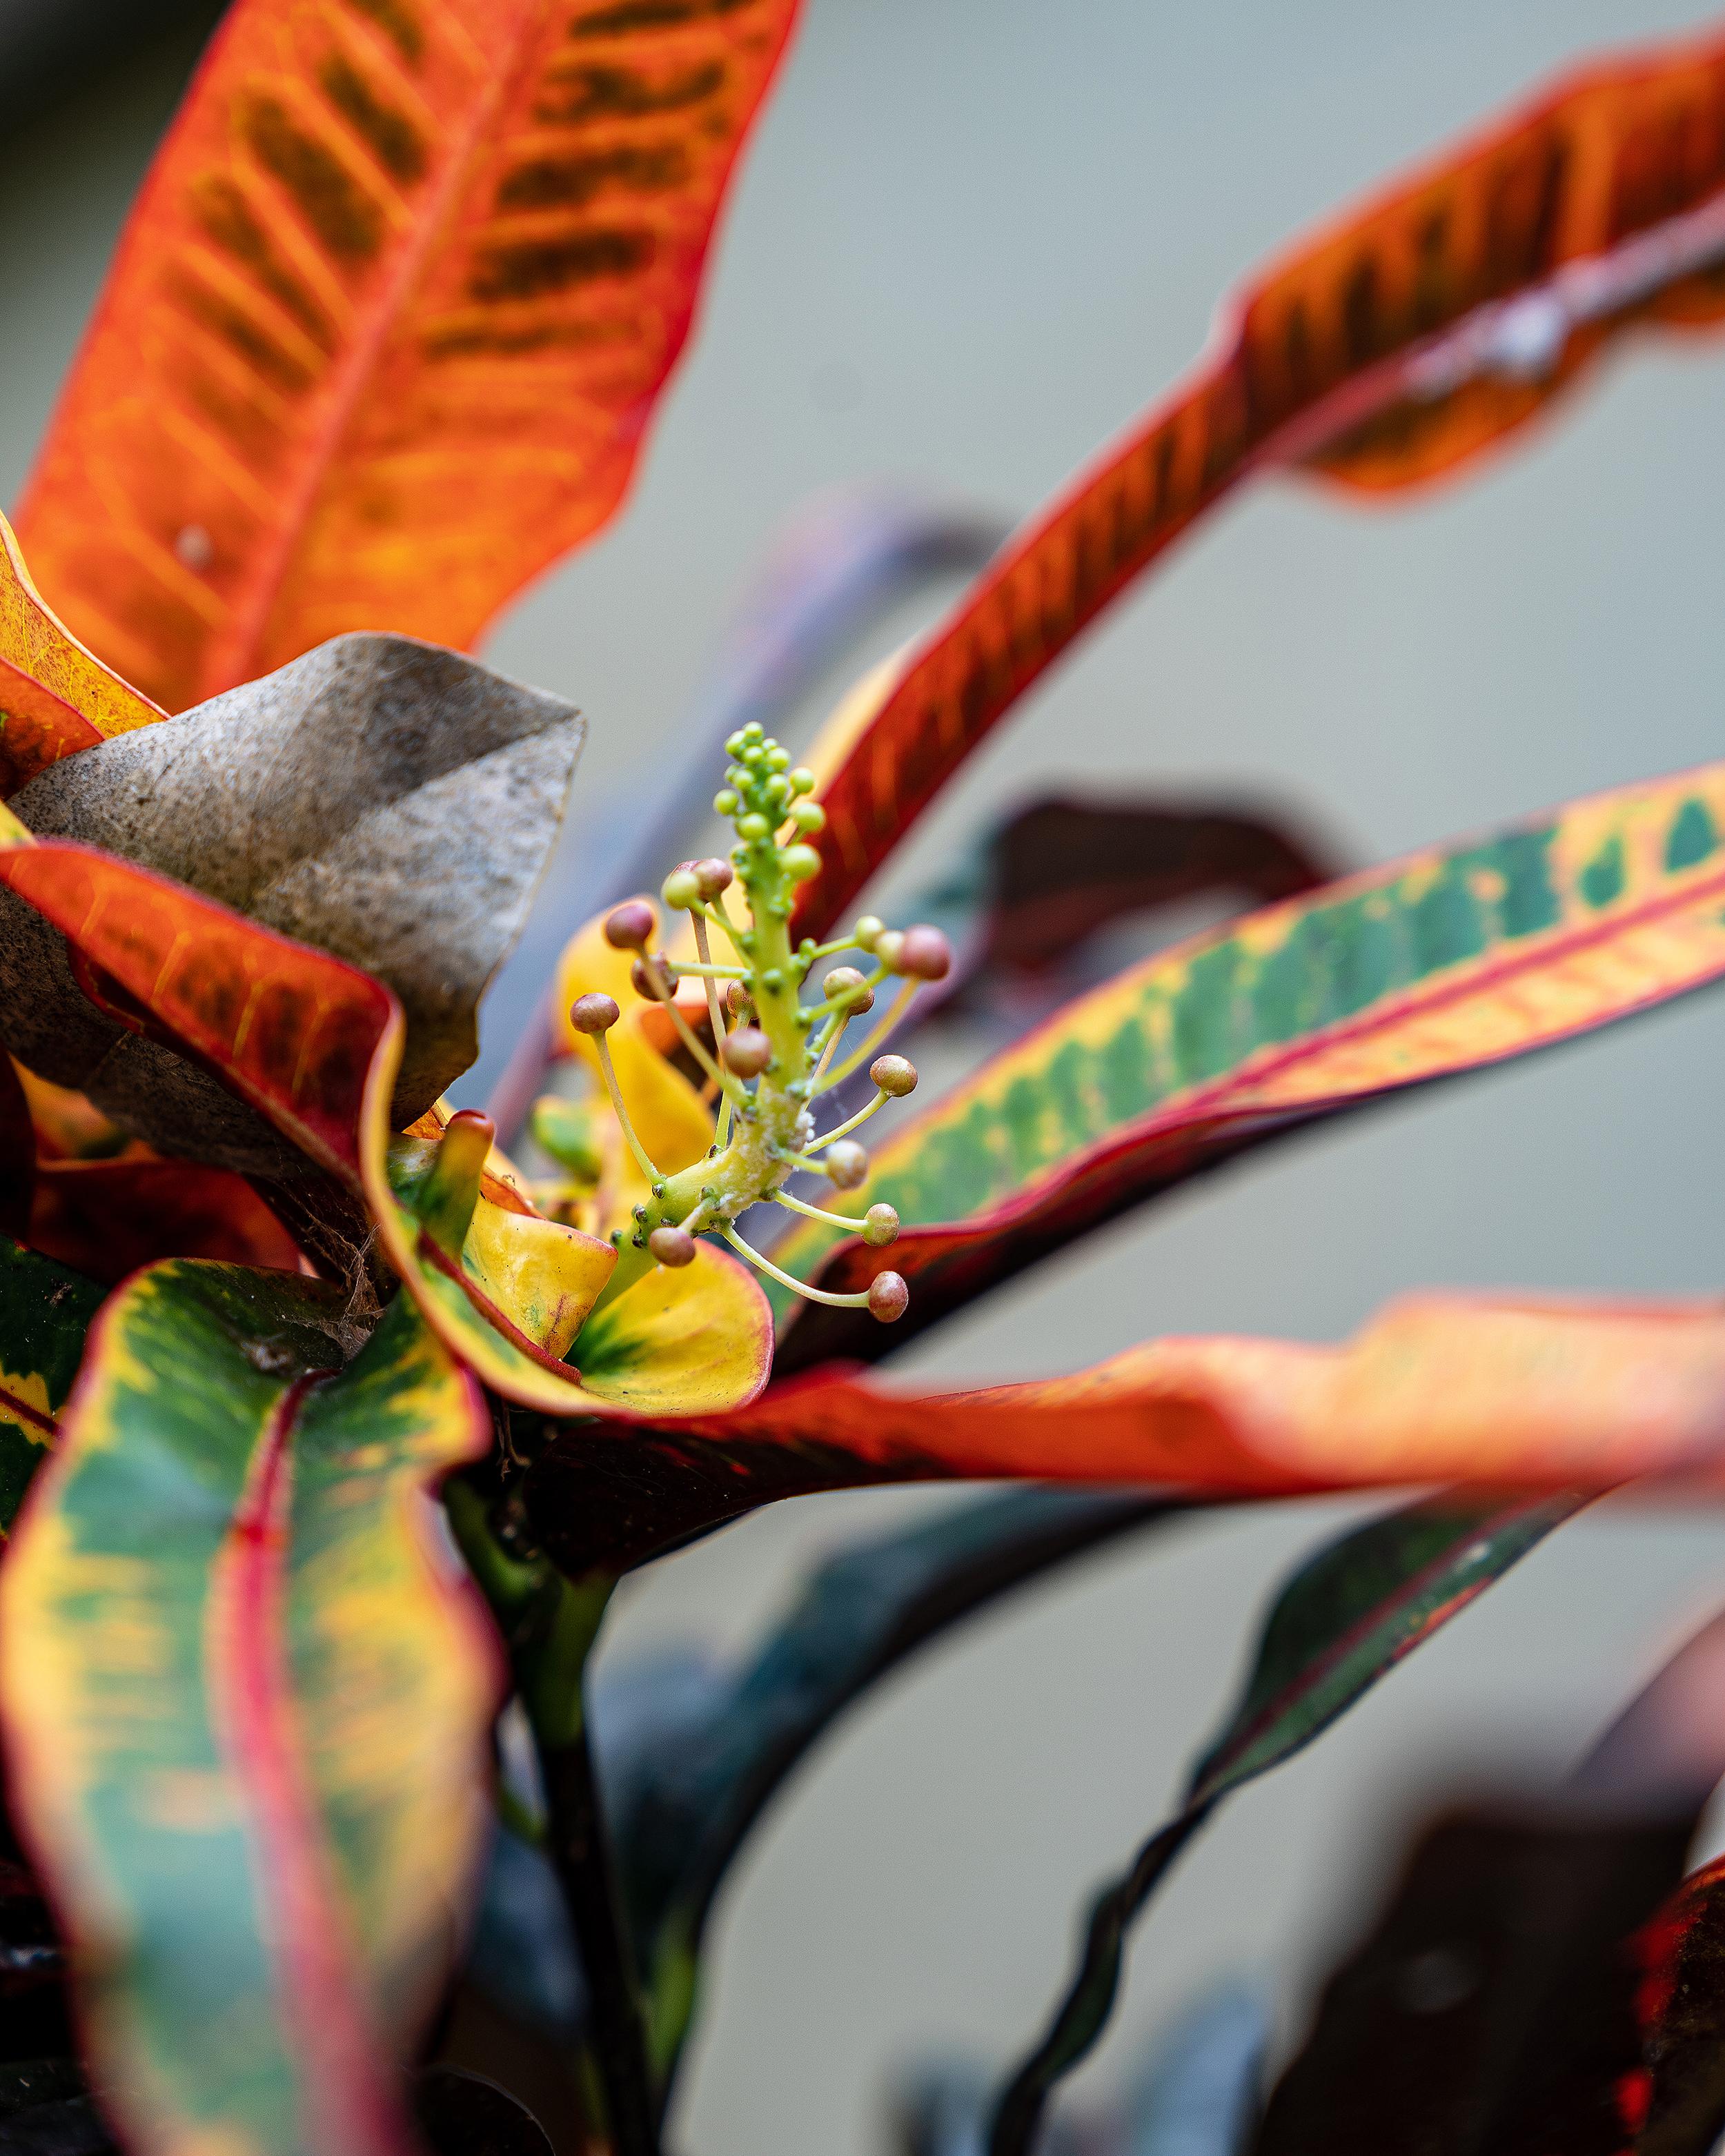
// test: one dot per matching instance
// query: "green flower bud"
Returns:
(809, 816)
(753, 826)
(681, 890)
(866, 930)
(802, 780)
(777, 758)
(725, 803)
(800, 863)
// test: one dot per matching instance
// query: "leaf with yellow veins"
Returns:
(695, 1341)
(247, 1708)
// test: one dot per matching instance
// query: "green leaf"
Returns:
(45, 1311)
(1344, 1619)
(1446, 961)
(247, 1704)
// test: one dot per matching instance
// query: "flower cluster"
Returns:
(773, 1052)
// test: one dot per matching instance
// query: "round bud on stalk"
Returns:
(656, 983)
(888, 1297)
(628, 926)
(680, 889)
(748, 1051)
(671, 1246)
(738, 1003)
(846, 1163)
(895, 1075)
(867, 929)
(802, 780)
(593, 1013)
(880, 1225)
(886, 946)
(924, 954)
(800, 863)
(808, 817)
(713, 877)
(845, 981)
(724, 802)
(754, 825)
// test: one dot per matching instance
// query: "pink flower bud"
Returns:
(671, 1246)
(924, 954)
(628, 927)
(748, 1051)
(844, 982)
(888, 1297)
(846, 1163)
(713, 877)
(655, 984)
(593, 1013)
(880, 1225)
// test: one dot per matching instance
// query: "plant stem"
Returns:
(579, 1846)
(549, 1624)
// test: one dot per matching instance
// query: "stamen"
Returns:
(711, 974)
(844, 1130)
(797, 1287)
(615, 1090)
(881, 1028)
(685, 1032)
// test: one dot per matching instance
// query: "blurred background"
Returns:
(970, 242)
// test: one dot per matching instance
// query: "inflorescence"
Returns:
(773, 1053)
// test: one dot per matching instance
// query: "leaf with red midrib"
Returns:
(389, 322)
(1381, 350)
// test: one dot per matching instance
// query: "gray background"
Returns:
(969, 243)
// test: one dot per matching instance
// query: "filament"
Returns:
(883, 1026)
(814, 1213)
(615, 1090)
(842, 1130)
(796, 1286)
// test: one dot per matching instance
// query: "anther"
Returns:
(842, 983)
(888, 1297)
(748, 1051)
(880, 1225)
(671, 1246)
(628, 926)
(923, 954)
(713, 877)
(593, 1013)
(653, 979)
(682, 888)
(895, 1075)
(846, 1164)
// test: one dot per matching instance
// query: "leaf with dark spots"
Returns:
(1344, 1621)
(1491, 2008)
(1394, 343)
(386, 801)
(1450, 959)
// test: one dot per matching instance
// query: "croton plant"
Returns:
(327, 1428)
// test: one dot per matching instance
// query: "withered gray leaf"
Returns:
(389, 801)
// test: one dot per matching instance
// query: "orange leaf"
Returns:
(389, 321)
(54, 695)
(107, 1218)
(1522, 1394)
(1395, 343)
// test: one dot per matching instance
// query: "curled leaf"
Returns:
(1394, 343)
(55, 697)
(387, 801)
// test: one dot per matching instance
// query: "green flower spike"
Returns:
(772, 1052)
